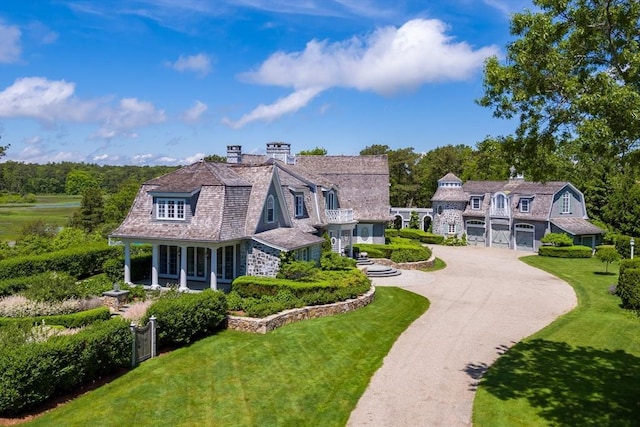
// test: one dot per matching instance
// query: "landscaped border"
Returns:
(269, 323)
(417, 265)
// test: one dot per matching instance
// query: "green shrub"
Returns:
(607, 254)
(422, 236)
(140, 267)
(628, 288)
(298, 270)
(184, 317)
(52, 286)
(557, 239)
(391, 232)
(576, 251)
(78, 262)
(14, 285)
(334, 261)
(397, 252)
(34, 372)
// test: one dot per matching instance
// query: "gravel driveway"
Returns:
(485, 301)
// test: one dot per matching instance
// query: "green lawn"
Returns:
(52, 209)
(582, 370)
(310, 373)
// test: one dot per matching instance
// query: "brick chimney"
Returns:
(234, 154)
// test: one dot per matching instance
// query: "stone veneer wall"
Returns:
(451, 213)
(269, 323)
(262, 260)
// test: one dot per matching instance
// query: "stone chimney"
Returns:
(234, 154)
(280, 151)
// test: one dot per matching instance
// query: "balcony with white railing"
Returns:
(338, 216)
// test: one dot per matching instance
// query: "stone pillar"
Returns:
(183, 268)
(155, 261)
(213, 269)
(127, 262)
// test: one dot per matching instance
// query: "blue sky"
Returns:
(146, 82)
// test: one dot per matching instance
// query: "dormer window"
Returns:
(331, 200)
(524, 205)
(299, 203)
(171, 209)
(475, 203)
(500, 201)
(270, 211)
(566, 203)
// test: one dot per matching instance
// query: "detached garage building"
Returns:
(513, 214)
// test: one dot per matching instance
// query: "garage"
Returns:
(500, 235)
(524, 237)
(475, 233)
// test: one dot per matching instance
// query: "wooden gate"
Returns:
(144, 341)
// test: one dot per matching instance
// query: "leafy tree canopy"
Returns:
(317, 151)
(215, 158)
(572, 79)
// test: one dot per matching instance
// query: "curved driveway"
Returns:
(485, 301)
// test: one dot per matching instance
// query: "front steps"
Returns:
(376, 270)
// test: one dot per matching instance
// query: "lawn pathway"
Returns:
(482, 303)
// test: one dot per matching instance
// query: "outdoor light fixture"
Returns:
(632, 242)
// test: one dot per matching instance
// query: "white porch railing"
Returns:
(337, 216)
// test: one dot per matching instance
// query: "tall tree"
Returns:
(78, 181)
(434, 165)
(317, 151)
(91, 213)
(3, 150)
(572, 78)
(402, 192)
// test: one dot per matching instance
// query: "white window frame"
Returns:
(170, 209)
(525, 205)
(270, 210)
(299, 205)
(452, 228)
(331, 200)
(566, 203)
(501, 201)
(475, 203)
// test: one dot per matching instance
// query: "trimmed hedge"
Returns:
(576, 251)
(396, 252)
(422, 236)
(628, 288)
(79, 262)
(623, 246)
(262, 296)
(34, 372)
(73, 320)
(183, 317)
(140, 267)
(14, 285)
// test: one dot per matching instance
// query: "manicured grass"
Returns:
(52, 209)
(438, 264)
(582, 370)
(310, 373)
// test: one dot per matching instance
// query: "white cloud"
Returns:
(130, 114)
(51, 101)
(45, 100)
(195, 158)
(387, 61)
(200, 64)
(10, 48)
(288, 104)
(194, 113)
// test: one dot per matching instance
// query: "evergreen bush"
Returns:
(628, 288)
(576, 251)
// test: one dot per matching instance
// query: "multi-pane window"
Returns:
(524, 205)
(299, 201)
(331, 200)
(270, 213)
(452, 228)
(170, 209)
(475, 203)
(500, 201)
(566, 203)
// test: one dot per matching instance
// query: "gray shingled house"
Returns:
(512, 214)
(211, 222)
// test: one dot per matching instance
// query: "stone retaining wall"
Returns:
(269, 323)
(405, 265)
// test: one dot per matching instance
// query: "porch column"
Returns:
(155, 261)
(213, 272)
(127, 262)
(183, 268)
(351, 244)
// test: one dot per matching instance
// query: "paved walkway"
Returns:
(485, 301)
